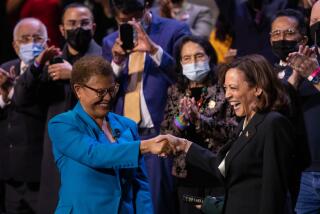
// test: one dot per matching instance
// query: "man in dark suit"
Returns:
(155, 41)
(77, 28)
(22, 121)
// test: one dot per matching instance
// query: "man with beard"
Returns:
(77, 28)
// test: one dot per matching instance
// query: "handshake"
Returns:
(164, 145)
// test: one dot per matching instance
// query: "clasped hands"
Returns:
(164, 145)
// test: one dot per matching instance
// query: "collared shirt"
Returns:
(146, 120)
(23, 67)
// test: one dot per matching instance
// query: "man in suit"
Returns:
(288, 31)
(306, 79)
(22, 121)
(250, 23)
(77, 28)
(143, 84)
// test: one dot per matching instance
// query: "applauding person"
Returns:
(203, 116)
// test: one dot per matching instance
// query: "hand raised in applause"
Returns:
(304, 61)
(46, 55)
(143, 41)
(60, 71)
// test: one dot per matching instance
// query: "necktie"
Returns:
(132, 97)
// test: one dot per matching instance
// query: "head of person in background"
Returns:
(315, 25)
(196, 60)
(173, 9)
(77, 27)
(29, 39)
(251, 86)
(288, 31)
(127, 10)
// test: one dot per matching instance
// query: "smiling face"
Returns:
(97, 107)
(241, 96)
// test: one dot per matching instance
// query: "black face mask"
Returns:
(315, 33)
(282, 48)
(79, 39)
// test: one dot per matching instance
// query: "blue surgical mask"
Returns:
(28, 52)
(196, 71)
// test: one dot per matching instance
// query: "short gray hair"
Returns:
(30, 19)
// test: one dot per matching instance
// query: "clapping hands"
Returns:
(304, 61)
(189, 109)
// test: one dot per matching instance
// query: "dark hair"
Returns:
(127, 6)
(297, 15)
(89, 66)
(259, 73)
(75, 5)
(208, 49)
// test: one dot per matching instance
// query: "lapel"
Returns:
(245, 137)
(17, 68)
(120, 131)
(91, 126)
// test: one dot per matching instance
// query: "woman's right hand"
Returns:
(158, 145)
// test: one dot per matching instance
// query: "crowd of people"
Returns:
(207, 111)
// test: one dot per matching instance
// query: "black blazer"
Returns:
(21, 131)
(258, 165)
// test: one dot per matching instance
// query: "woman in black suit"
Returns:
(256, 165)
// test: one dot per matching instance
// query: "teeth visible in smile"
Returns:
(235, 105)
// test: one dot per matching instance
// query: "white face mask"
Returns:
(28, 52)
(196, 71)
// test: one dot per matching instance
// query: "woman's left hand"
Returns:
(193, 110)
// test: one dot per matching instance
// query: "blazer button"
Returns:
(10, 146)
(9, 125)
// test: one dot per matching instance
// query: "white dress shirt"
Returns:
(146, 120)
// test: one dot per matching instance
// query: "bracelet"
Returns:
(180, 122)
(313, 76)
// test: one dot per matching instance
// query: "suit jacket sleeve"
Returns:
(277, 160)
(70, 141)
(143, 202)
(203, 23)
(168, 63)
(203, 159)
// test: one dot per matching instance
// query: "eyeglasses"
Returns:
(29, 38)
(101, 93)
(84, 23)
(197, 57)
(278, 34)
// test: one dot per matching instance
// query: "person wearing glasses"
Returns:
(52, 69)
(22, 121)
(256, 165)
(99, 153)
(197, 110)
(288, 31)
